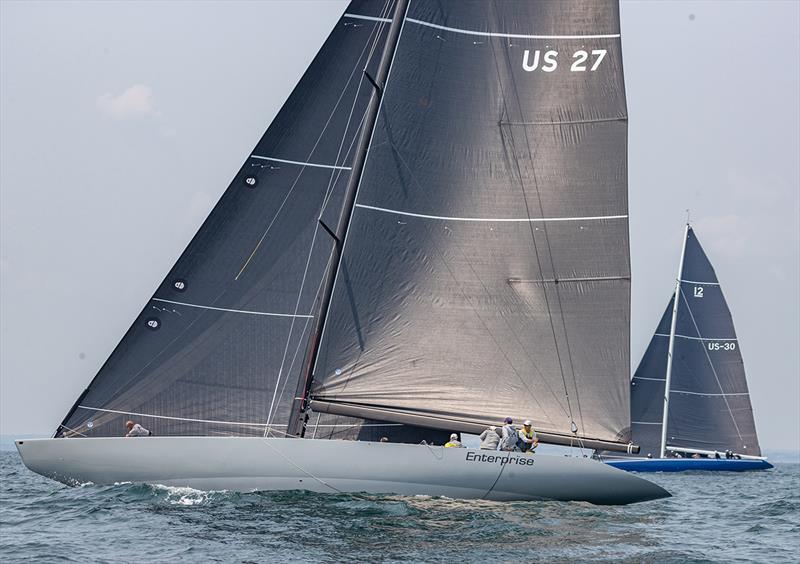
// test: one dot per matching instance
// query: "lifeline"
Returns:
(502, 459)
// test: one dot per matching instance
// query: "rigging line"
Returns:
(552, 265)
(272, 407)
(546, 234)
(73, 431)
(298, 467)
(299, 174)
(528, 213)
(312, 367)
(713, 370)
(377, 29)
(300, 343)
(332, 185)
(499, 474)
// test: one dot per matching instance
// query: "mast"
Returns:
(297, 420)
(672, 344)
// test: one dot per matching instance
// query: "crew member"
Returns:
(527, 440)
(454, 442)
(508, 442)
(490, 439)
(136, 430)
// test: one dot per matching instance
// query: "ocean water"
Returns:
(720, 517)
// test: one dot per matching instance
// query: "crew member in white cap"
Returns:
(454, 442)
(528, 440)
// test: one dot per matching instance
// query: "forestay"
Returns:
(486, 267)
(709, 403)
(219, 348)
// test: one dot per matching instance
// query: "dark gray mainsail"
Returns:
(219, 348)
(709, 403)
(485, 270)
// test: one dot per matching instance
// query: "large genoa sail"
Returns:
(486, 267)
(709, 402)
(219, 348)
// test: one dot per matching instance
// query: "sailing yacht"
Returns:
(432, 235)
(690, 406)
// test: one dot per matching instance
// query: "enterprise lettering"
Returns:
(499, 459)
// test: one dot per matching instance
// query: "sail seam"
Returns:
(697, 338)
(271, 314)
(300, 163)
(493, 219)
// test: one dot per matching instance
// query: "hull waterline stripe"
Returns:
(300, 163)
(232, 310)
(703, 394)
(493, 219)
(695, 338)
(485, 33)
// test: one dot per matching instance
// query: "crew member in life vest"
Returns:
(454, 442)
(527, 440)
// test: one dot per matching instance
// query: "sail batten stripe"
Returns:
(511, 35)
(646, 422)
(708, 394)
(267, 313)
(368, 18)
(652, 379)
(701, 283)
(300, 163)
(696, 338)
(484, 33)
(217, 421)
(493, 219)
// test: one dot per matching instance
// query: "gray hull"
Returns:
(246, 464)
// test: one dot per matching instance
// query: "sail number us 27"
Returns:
(547, 61)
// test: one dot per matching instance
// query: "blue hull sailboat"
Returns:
(690, 406)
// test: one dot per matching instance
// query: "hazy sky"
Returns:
(123, 122)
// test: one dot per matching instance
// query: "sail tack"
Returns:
(486, 268)
(219, 348)
(709, 402)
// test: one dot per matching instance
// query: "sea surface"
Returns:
(719, 517)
